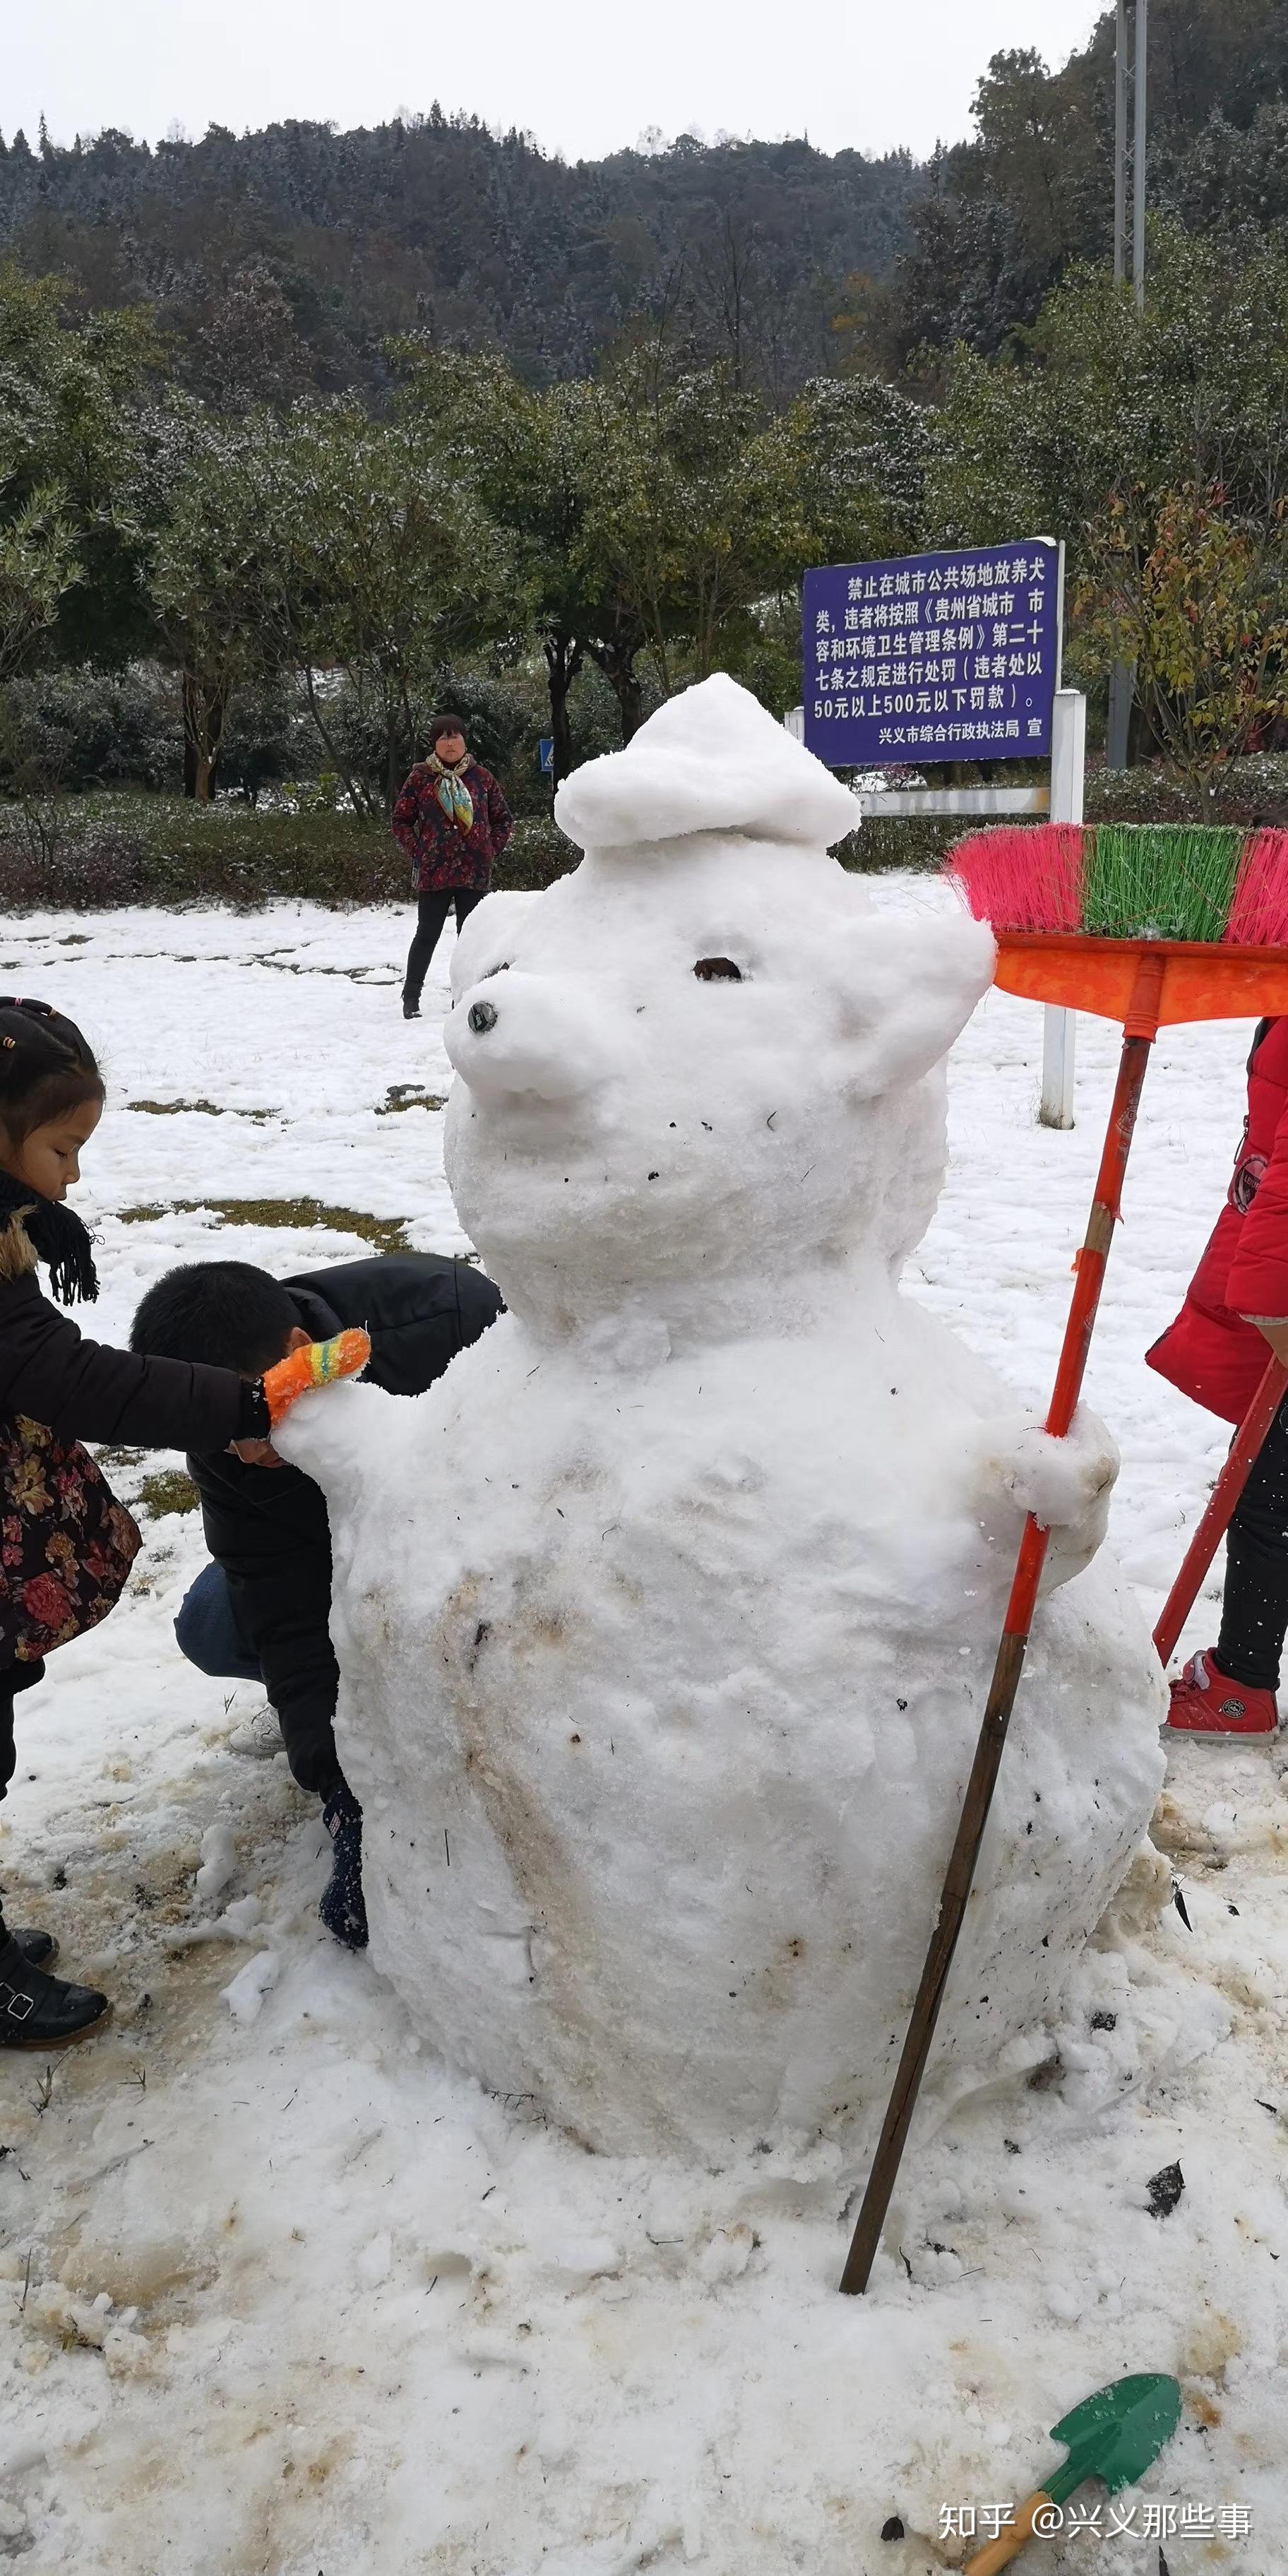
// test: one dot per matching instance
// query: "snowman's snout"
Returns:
(545, 1037)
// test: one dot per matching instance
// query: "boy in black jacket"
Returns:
(263, 1607)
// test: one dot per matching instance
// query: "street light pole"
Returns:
(1122, 677)
(1139, 70)
(1120, 145)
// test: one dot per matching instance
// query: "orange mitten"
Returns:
(315, 1365)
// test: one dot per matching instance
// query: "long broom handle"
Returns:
(1245, 1449)
(1140, 1029)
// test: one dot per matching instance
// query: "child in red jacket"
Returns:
(1237, 1303)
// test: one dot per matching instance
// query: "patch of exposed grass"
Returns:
(170, 1490)
(199, 1108)
(408, 1095)
(376, 975)
(300, 1216)
(174, 1108)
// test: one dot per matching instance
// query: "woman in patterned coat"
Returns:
(453, 822)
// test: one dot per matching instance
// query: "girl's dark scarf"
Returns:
(58, 1238)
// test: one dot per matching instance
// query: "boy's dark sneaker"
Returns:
(1205, 1702)
(37, 2011)
(39, 1949)
(343, 1909)
(411, 1009)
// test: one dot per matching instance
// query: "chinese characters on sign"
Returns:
(933, 657)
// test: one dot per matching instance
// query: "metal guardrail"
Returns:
(907, 801)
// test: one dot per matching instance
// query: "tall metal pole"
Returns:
(1122, 676)
(1139, 70)
(1120, 146)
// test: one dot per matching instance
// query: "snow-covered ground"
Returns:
(279, 2294)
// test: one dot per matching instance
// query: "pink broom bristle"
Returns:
(1021, 879)
(1259, 912)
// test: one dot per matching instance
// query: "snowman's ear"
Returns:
(906, 988)
(488, 937)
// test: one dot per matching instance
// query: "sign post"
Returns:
(1068, 769)
(951, 656)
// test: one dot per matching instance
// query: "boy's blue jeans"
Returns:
(208, 1634)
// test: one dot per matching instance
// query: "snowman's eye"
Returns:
(717, 970)
(502, 969)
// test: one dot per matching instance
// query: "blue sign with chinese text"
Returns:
(951, 656)
(546, 754)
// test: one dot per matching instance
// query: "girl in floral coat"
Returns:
(66, 1544)
(453, 822)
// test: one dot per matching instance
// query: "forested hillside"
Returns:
(303, 433)
(281, 261)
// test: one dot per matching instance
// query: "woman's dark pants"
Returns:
(431, 913)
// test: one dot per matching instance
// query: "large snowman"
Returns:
(665, 1620)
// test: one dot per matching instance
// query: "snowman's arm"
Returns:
(1067, 1485)
(315, 1364)
(342, 1436)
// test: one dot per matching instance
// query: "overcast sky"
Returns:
(585, 76)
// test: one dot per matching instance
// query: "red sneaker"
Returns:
(1205, 1703)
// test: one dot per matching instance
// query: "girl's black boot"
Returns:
(38, 2011)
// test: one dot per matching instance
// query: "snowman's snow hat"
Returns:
(710, 760)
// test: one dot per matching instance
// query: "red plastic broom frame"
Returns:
(1140, 1028)
(1245, 1448)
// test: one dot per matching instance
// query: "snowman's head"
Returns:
(701, 1065)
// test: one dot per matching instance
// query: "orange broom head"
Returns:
(1201, 883)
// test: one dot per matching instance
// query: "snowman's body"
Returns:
(665, 1621)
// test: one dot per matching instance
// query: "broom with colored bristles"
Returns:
(1148, 925)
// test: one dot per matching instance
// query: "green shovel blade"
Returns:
(1117, 2434)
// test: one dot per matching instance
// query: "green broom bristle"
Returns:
(1161, 880)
